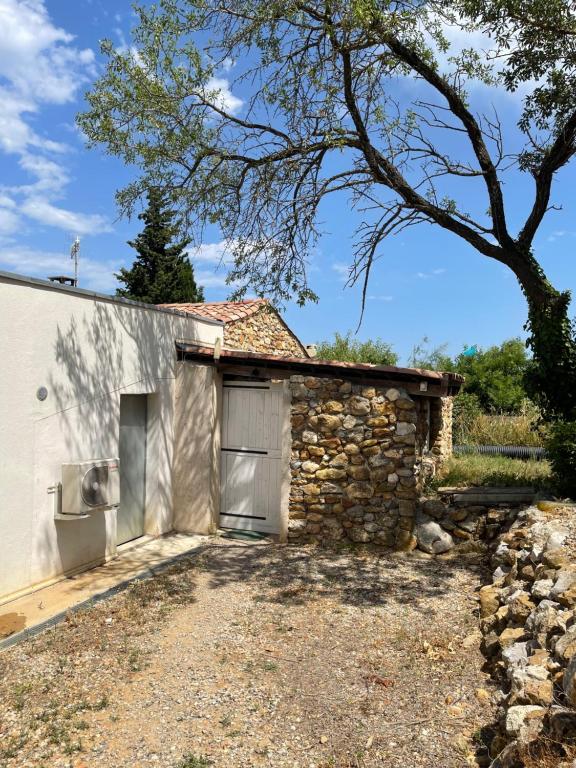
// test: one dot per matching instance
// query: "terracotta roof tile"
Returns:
(226, 311)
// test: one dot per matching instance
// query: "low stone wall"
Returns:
(440, 526)
(263, 332)
(528, 622)
(354, 466)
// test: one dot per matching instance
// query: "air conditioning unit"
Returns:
(90, 486)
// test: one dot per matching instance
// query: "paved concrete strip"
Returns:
(33, 613)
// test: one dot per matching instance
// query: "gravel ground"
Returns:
(259, 655)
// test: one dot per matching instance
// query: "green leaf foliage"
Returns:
(161, 273)
(496, 376)
(561, 449)
(347, 349)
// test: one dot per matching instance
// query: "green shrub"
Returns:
(561, 448)
(347, 349)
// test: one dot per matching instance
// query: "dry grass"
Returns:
(500, 429)
(492, 470)
(45, 703)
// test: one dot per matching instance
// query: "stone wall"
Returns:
(354, 468)
(441, 427)
(263, 332)
(528, 623)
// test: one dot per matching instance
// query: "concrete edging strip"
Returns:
(53, 621)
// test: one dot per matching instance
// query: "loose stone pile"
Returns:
(440, 526)
(354, 468)
(528, 622)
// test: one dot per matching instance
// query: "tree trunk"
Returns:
(551, 378)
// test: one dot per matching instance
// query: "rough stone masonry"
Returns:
(354, 464)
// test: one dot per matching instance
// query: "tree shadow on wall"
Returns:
(104, 350)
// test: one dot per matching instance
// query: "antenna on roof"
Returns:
(75, 254)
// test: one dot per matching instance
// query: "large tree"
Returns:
(324, 117)
(162, 272)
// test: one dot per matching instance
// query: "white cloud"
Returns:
(219, 93)
(380, 298)
(342, 270)
(39, 66)
(9, 221)
(558, 234)
(211, 253)
(432, 273)
(97, 275)
(209, 279)
(74, 223)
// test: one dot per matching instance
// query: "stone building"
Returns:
(350, 444)
(253, 325)
(122, 421)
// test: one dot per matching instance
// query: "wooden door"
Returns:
(251, 468)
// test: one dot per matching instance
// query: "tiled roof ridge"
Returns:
(227, 311)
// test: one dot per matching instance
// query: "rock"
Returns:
(296, 526)
(495, 622)
(340, 460)
(562, 723)
(541, 588)
(458, 514)
(511, 635)
(359, 472)
(545, 620)
(310, 466)
(524, 722)
(359, 535)
(483, 695)
(435, 508)
(393, 394)
(556, 558)
(359, 406)
(311, 489)
(531, 685)
(431, 537)
(569, 683)
(328, 423)
(564, 589)
(392, 478)
(405, 428)
(520, 607)
(515, 655)
(331, 474)
(565, 646)
(471, 641)
(309, 437)
(331, 489)
(490, 644)
(332, 406)
(349, 422)
(489, 600)
(359, 490)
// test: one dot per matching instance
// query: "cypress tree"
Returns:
(161, 273)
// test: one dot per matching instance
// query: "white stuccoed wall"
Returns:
(87, 351)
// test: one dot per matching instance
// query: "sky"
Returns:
(427, 282)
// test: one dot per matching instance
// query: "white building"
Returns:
(86, 376)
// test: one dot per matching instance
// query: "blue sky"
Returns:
(427, 282)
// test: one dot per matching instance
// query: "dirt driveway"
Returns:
(258, 655)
